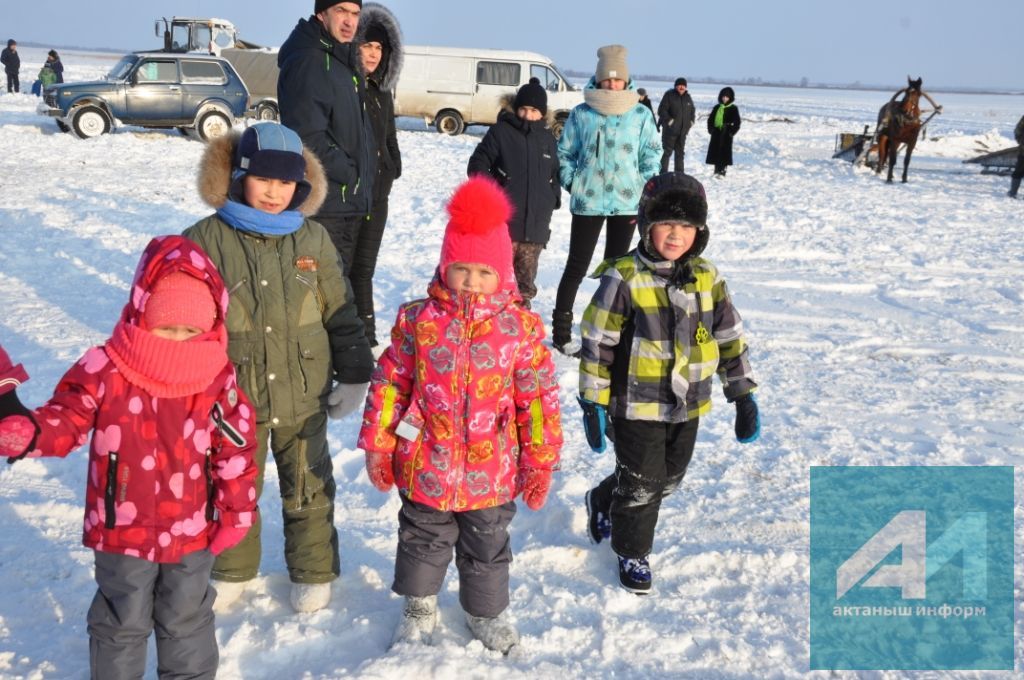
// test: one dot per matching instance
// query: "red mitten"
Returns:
(16, 435)
(535, 484)
(224, 538)
(380, 468)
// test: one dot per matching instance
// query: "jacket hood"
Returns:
(309, 34)
(726, 91)
(166, 255)
(215, 168)
(377, 16)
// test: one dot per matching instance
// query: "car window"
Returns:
(548, 79)
(157, 72)
(497, 73)
(195, 71)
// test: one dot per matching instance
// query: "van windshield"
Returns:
(568, 86)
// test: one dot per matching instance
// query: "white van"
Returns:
(452, 87)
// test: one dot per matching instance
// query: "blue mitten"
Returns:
(748, 420)
(595, 421)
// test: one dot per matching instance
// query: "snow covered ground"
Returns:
(885, 323)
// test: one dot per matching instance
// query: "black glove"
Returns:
(748, 421)
(10, 405)
(595, 420)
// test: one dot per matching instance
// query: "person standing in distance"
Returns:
(676, 115)
(321, 96)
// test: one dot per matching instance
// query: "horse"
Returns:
(899, 123)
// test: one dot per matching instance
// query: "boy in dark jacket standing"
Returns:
(12, 64)
(380, 50)
(659, 327)
(320, 91)
(676, 115)
(522, 155)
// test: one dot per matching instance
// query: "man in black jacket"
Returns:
(321, 93)
(676, 114)
(12, 64)
(1018, 170)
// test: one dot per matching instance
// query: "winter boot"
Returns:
(418, 620)
(496, 632)
(228, 593)
(1014, 186)
(310, 597)
(561, 334)
(599, 525)
(635, 575)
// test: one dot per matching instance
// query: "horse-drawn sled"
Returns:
(999, 162)
(899, 125)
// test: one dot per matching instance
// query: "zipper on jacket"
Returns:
(208, 471)
(110, 493)
(344, 188)
(320, 302)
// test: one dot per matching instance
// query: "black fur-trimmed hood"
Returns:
(375, 14)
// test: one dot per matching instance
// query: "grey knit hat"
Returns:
(611, 63)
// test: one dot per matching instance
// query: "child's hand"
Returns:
(224, 538)
(748, 420)
(535, 484)
(17, 436)
(595, 423)
(380, 469)
(345, 399)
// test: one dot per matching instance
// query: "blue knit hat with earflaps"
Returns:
(273, 151)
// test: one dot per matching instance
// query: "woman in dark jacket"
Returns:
(380, 47)
(53, 61)
(723, 124)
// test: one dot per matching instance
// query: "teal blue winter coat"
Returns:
(606, 159)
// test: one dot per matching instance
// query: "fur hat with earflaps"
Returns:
(674, 197)
(477, 230)
(264, 150)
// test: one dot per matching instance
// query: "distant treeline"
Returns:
(803, 82)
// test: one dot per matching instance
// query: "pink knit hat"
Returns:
(180, 299)
(478, 229)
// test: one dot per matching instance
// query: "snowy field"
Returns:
(885, 324)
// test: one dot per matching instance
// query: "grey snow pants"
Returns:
(135, 597)
(483, 554)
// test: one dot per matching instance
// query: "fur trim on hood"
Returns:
(214, 179)
(377, 15)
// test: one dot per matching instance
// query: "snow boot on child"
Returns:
(599, 524)
(418, 620)
(310, 597)
(635, 574)
(496, 632)
(228, 593)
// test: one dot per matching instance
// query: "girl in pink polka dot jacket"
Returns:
(171, 475)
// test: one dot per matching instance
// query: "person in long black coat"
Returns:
(380, 48)
(522, 155)
(723, 124)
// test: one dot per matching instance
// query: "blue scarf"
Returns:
(245, 218)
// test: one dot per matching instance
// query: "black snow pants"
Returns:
(650, 460)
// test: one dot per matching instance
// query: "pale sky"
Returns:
(947, 42)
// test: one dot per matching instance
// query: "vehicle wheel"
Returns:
(213, 124)
(89, 121)
(63, 126)
(449, 122)
(267, 111)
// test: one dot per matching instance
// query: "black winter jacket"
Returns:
(676, 114)
(380, 106)
(320, 93)
(11, 61)
(720, 146)
(523, 157)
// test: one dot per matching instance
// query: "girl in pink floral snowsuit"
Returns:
(462, 415)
